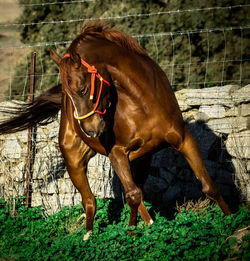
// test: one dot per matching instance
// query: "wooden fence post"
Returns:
(31, 135)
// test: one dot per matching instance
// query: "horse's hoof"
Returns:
(87, 235)
(130, 233)
(150, 222)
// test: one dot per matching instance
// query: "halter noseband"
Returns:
(94, 73)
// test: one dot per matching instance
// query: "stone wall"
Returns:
(218, 118)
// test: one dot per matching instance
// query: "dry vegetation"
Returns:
(195, 206)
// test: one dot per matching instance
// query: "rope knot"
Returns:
(92, 69)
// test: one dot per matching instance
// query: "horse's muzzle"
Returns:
(93, 131)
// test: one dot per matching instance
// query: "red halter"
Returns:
(94, 73)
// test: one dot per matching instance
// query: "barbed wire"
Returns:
(126, 16)
(176, 11)
(55, 3)
(36, 45)
(161, 64)
(196, 31)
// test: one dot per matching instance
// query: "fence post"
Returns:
(31, 135)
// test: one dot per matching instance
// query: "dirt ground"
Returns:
(9, 37)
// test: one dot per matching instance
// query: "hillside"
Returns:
(9, 36)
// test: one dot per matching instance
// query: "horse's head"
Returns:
(87, 89)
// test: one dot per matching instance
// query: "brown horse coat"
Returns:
(144, 116)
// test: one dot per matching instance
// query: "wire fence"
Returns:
(50, 183)
(188, 71)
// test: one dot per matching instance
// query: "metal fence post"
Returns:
(31, 135)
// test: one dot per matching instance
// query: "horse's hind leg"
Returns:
(140, 169)
(190, 150)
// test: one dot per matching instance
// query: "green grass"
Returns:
(188, 236)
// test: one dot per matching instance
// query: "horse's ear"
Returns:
(55, 57)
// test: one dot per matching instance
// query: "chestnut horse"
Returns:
(114, 100)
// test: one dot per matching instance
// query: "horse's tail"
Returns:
(41, 112)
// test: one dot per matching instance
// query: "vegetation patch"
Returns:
(195, 48)
(203, 235)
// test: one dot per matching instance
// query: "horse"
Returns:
(114, 100)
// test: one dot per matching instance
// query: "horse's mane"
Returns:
(101, 30)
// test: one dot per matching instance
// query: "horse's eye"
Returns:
(109, 104)
(83, 91)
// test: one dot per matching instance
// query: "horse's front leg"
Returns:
(76, 155)
(119, 160)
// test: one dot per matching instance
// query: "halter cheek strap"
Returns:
(94, 73)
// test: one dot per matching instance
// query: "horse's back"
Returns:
(147, 113)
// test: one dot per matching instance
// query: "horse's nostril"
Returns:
(92, 134)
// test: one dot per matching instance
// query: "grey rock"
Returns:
(213, 111)
(225, 190)
(238, 144)
(224, 125)
(245, 109)
(18, 172)
(211, 167)
(166, 175)
(224, 177)
(192, 191)
(204, 137)
(65, 186)
(241, 123)
(248, 165)
(173, 192)
(242, 177)
(11, 149)
(154, 185)
(186, 175)
(233, 112)
(241, 95)
(192, 115)
(51, 188)
(220, 95)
